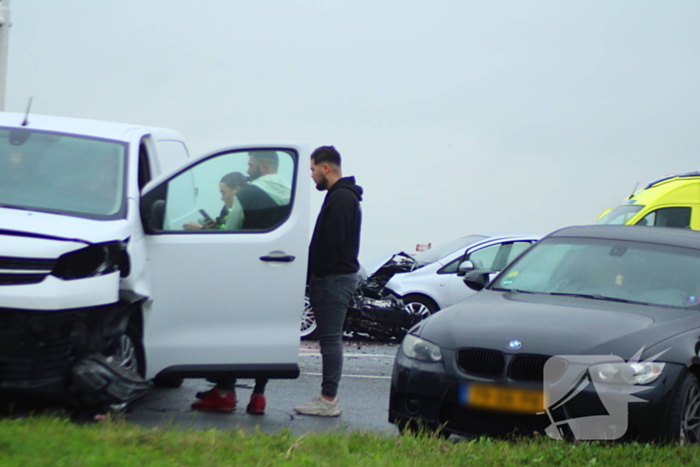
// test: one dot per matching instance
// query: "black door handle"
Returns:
(279, 259)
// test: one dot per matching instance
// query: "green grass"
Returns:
(54, 441)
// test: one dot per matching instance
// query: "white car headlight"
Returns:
(420, 349)
(627, 373)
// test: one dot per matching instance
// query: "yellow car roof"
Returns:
(674, 189)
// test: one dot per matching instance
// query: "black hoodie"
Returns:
(336, 240)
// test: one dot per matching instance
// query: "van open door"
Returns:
(227, 299)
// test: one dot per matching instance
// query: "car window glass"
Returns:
(602, 268)
(516, 249)
(451, 267)
(65, 174)
(144, 174)
(232, 192)
(484, 258)
(620, 215)
(667, 217)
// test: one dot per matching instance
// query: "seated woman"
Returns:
(229, 186)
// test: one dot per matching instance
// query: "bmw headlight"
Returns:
(420, 349)
(93, 260)
(627, 373)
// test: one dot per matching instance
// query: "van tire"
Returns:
(128, 350)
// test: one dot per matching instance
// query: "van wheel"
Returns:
(129, 351)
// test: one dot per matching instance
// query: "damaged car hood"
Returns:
(374, 277)
(398, 262)
(21, 223)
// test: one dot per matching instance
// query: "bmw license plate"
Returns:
(488, 396)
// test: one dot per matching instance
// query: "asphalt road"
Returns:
(364, 395)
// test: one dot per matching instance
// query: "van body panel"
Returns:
(681, 192)
(53, 294)
(63, 227)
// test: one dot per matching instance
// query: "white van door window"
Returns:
(239, 191)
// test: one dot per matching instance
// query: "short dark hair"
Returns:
(328, 154)
(234, 179)
(270, 157)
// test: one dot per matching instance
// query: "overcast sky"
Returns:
(456, 117)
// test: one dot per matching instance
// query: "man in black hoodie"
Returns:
(333, 267)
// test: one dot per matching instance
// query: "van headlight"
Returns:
(93, 260)
(420, 349)
(627, 373)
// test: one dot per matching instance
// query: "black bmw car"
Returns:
(592, 333)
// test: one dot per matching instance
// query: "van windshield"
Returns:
(621, 214)
(63, 174)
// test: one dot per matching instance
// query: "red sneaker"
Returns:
(256, 405)
(213, 402)
(204, 394)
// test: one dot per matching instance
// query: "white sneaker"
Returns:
(320, 407)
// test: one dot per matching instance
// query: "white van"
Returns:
(101, 285)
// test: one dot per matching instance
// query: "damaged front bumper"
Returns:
(63, 354)
(383, 319)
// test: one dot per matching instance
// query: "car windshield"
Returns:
(59, 173)
(435, 253)
(621, 214)
(607, 270)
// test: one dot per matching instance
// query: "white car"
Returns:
(432, 280)
(101, 286)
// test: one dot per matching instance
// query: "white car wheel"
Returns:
(418, 306)
(308, 321)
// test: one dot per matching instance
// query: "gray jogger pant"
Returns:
(330, 298)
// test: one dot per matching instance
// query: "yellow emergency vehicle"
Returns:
(672, 201)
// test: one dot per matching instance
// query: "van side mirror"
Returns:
(477, 280)
(157, 217)
(465, 267)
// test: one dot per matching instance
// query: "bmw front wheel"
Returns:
(683, 417)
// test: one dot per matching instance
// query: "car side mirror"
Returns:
(157, 219)
(465, 267)
(477, 280)
(153, 219)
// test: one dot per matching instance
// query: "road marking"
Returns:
(351, 376)
(315, 353)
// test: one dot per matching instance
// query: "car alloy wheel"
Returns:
(419, 307)
(690, 415)
(682, 422)
(126, 354)
(308, 320)
(128, 351)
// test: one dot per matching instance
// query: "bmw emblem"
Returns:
(514, 344)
